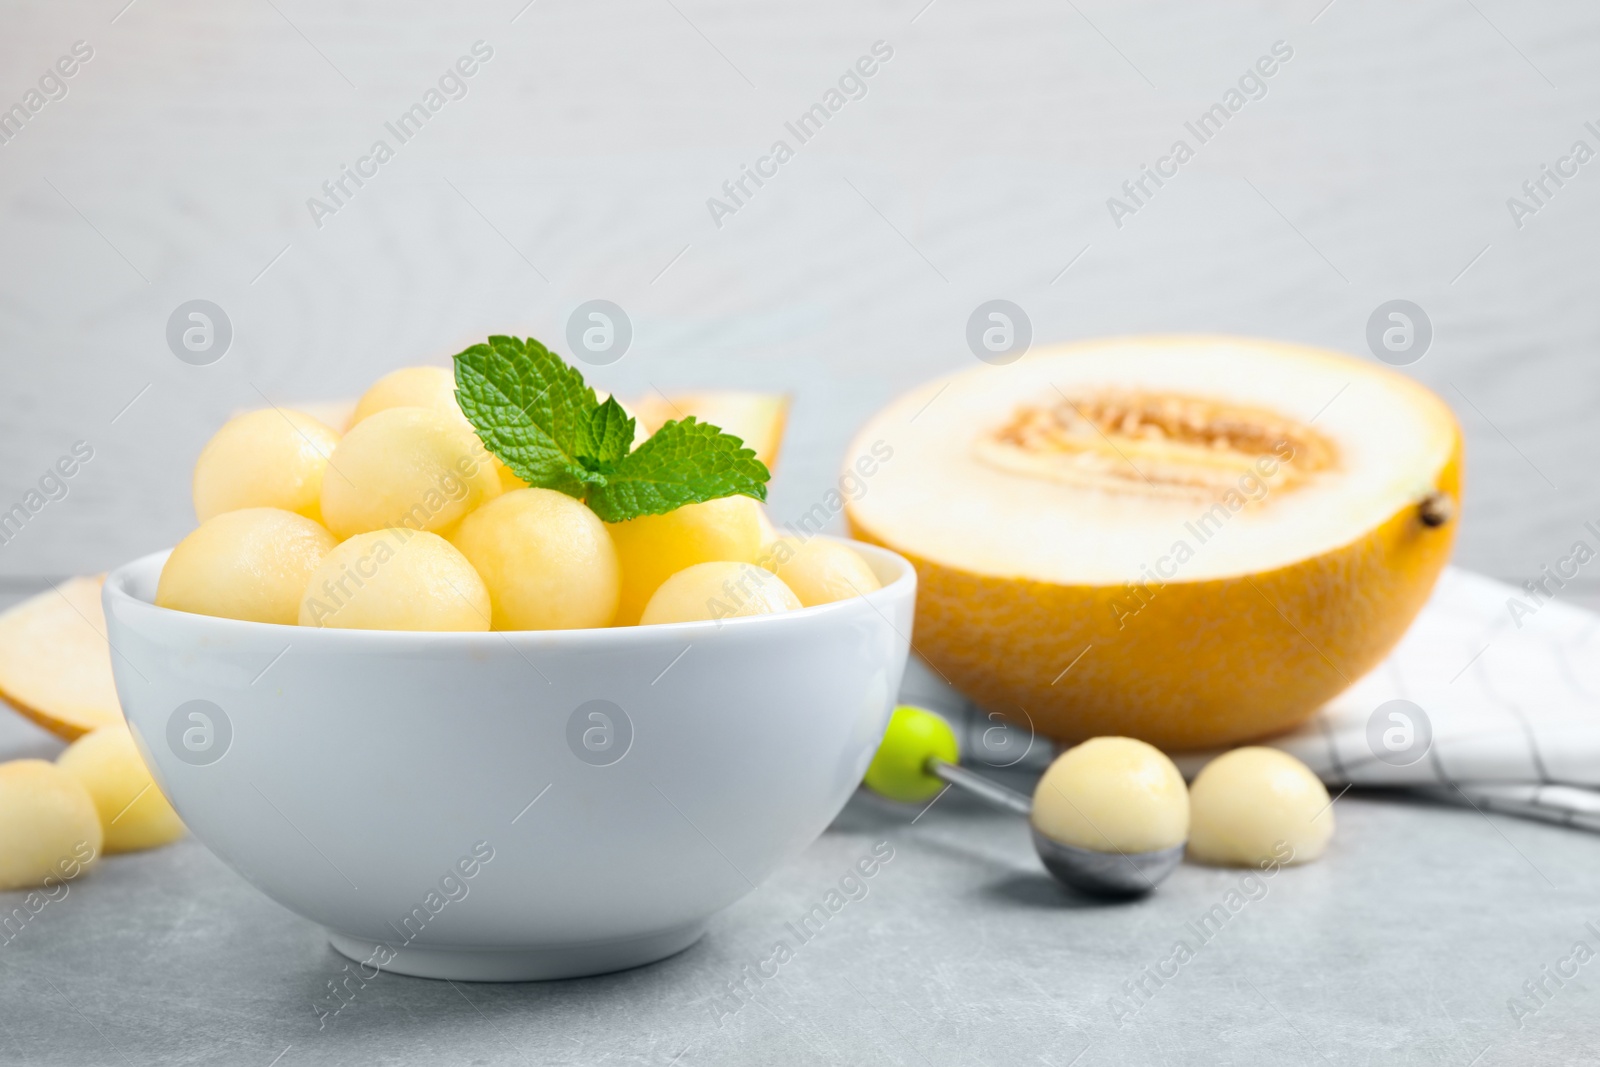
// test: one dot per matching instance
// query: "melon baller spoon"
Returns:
(919, 752)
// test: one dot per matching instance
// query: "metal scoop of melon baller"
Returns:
(1101, 874)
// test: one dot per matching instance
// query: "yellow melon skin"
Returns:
(1201, 664)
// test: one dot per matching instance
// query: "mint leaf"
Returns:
(534, 412)
(530, 409)
(684, 462)
(610, 433)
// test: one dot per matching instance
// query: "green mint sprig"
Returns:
(534, 411)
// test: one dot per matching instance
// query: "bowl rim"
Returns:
(118, 597)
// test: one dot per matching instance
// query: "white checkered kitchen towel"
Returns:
(1491, 699)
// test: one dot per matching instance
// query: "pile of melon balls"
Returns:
(406, 522)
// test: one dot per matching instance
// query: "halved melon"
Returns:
(55, 665)
(1194, 541)
(755, 418)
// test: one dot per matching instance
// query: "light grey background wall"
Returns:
(977, 165)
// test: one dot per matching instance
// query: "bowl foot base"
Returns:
(521, 964)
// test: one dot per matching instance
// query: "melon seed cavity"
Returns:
(1163, 444)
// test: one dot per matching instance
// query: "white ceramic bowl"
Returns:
(507, 806)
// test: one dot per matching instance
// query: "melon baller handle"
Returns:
(979, 786)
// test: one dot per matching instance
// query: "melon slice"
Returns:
(755, 418)
(55, 665)
(1194, 541)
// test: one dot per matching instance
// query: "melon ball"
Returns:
(396, 579)
(718, 591)
(433, 388)
(406, 466)
(265, 459)
(49, 828)
(1112, 794)
(819, 571)
(133, 811)
(1254, 806)
(653, 548)
(546, 559)
(249, 564)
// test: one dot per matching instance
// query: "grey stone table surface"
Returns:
(1404, 945)
(185, 158)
